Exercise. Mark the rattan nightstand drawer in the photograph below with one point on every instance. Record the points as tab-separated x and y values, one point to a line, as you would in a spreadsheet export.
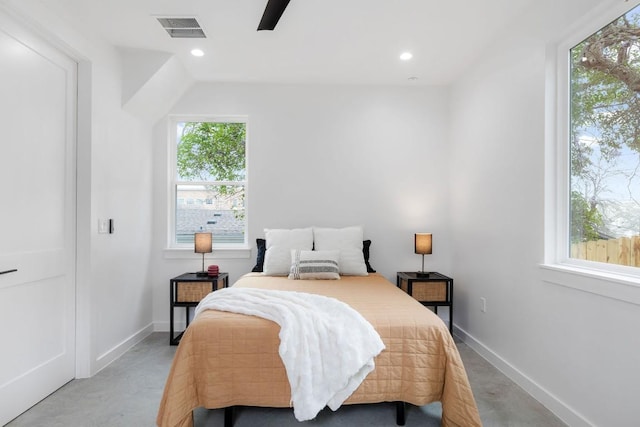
426	291
193	291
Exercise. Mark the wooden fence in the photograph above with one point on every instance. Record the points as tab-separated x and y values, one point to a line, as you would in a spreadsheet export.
623	251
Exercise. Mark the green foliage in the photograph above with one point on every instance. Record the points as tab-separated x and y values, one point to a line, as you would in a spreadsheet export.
605	88
605	116
212	152
585	219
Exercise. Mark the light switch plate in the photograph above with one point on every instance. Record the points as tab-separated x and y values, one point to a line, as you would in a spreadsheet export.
103	226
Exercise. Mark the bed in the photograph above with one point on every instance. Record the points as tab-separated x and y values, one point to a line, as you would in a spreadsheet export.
227	359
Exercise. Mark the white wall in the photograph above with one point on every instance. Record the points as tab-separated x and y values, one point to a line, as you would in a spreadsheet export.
380	157
577	352
121	178
327	156
114	307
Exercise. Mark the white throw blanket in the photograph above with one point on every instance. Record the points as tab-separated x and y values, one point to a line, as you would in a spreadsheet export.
327	347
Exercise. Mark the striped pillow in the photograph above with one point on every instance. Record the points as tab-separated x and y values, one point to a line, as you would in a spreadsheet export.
314	265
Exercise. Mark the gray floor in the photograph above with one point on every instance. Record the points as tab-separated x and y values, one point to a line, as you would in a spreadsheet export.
128	391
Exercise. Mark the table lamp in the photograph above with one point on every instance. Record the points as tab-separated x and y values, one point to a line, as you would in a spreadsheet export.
203	245
423	246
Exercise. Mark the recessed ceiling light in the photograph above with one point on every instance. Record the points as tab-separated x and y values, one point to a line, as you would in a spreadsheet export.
405	56
197	52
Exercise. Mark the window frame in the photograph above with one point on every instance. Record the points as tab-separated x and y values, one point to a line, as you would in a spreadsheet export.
610	280
221	250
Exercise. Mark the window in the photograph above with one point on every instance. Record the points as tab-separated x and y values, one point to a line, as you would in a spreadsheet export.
604	144
208	186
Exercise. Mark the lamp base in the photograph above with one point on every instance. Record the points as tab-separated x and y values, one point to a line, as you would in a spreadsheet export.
422	273
202	273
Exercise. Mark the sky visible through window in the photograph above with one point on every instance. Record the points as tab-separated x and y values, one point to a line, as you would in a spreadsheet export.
605	132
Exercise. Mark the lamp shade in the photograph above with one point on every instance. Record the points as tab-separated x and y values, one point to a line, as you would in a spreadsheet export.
423	243
203	243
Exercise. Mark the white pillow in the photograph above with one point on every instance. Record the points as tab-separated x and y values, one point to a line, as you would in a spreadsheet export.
279	243
348	241
314	265
277	261
296	238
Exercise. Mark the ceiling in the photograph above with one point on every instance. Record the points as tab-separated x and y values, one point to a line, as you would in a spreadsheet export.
316	41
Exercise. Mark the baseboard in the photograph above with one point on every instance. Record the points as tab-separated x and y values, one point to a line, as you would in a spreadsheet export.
106	358
546	398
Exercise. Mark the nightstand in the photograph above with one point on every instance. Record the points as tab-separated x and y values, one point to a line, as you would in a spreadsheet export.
187	290
433	290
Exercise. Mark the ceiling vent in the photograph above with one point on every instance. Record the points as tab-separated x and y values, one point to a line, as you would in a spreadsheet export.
182	28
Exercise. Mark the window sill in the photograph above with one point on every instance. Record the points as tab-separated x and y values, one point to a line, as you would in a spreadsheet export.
611	285
222	253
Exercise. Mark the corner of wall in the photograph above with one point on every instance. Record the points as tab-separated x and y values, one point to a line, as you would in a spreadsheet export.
542	395
150	94
139	66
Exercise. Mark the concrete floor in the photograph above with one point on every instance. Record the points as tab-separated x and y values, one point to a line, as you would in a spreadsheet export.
128	391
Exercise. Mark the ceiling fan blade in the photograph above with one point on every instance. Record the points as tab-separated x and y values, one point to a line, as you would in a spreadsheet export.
272	14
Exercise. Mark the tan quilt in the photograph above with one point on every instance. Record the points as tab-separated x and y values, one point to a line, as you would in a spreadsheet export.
226	359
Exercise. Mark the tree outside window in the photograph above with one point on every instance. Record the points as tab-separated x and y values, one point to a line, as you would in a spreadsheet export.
210	166
605	144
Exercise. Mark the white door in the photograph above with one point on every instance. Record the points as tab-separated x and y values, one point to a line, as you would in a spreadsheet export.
37	218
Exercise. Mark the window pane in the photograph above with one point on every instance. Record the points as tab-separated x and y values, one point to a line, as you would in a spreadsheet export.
210	181
218	209
605	144
209	151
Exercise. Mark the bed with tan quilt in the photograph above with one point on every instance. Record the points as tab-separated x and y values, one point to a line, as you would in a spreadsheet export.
226	359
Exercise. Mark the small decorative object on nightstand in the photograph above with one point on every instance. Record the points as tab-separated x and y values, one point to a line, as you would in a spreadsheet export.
203	244
213	270
187	290
434	290
423	245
